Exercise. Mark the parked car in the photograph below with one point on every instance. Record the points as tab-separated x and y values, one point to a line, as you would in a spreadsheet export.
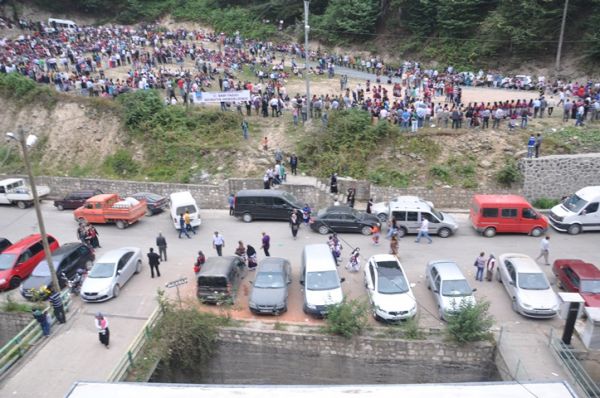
409	212
579	212
154	202
18	261
343	219
16	191
75	199
322	285
578	276
219	279
449	286
269	293
110	208
264	204
110	273
389	291
527	286
180	202
4	243
382	209
491	214
67	260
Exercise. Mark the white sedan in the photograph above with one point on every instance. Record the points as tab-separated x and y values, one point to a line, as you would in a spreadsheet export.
389	290
110	273
527	286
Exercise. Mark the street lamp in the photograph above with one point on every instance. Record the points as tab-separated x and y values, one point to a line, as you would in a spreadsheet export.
306	29
27	142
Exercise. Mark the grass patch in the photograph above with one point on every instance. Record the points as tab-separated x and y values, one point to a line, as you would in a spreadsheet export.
24	91
545	203
10	305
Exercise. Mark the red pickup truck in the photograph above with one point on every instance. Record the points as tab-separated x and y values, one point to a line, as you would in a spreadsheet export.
110	208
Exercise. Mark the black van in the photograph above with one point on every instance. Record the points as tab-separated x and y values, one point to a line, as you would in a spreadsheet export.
219	279
264	204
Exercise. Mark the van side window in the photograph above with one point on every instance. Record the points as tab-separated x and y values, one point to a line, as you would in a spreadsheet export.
412	216
2	190
36	248
591	208
26	255
51	240
529	213
429	217
509	213
489	212
399	215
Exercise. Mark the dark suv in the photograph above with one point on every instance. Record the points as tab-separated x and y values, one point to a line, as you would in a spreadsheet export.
4	243
67	259
75	199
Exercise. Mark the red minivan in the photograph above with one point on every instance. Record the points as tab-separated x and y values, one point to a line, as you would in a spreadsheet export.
18	261
491	214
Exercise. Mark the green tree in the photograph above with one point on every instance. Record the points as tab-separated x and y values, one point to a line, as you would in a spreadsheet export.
349	318
471	322
348	17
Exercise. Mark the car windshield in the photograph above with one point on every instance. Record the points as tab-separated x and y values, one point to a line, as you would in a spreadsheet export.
7	261
42	269
590	286
532	281
290	198
574	203
392	283
326	280
191	208
321	212
269	280
438	214
456	288
102	270
150	197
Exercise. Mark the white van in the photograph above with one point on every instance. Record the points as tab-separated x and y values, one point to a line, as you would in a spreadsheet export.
322	284
180	202
579	212
57	23
409	212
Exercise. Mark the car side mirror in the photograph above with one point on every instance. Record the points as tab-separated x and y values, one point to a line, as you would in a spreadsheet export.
342	280
370	286
119	272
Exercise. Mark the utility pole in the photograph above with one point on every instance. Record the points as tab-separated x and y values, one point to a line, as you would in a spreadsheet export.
560	38
306	29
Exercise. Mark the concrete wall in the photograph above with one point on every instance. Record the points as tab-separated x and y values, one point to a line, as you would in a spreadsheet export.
559	175
11	323
246	356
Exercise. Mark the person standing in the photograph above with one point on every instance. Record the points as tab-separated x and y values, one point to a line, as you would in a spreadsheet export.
544	250
161	243
153	261
92	236
240	251
538	144
423	231
42	319
294	223
333	183
218	243
489	267
182	229
251	253
531	146
375	234
480	264
103	331
188	222
369	206
245	129
200	260
58	307
394	245
306	211
231	202
266	243
294	163
351	196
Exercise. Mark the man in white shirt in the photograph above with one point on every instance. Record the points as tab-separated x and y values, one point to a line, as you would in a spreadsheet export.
424	231
218	243
544	249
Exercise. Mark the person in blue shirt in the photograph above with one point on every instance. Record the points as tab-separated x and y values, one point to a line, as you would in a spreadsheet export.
531	146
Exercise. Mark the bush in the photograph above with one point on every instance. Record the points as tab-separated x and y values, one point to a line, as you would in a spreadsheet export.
347	319
140	106
508	174
545	203
121	164
471	322
441	172
11	305
24	90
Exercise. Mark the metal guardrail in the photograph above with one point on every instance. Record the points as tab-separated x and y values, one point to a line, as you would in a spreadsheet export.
121	370
18	346
566	356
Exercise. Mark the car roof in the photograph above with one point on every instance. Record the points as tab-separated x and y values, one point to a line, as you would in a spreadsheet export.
10	181
115	255
339	209
85	192
27	241
259	192
272	264
583	269
589	193
522	262
500	200
412	202
183	195
65	249
217	266
320	257
447	269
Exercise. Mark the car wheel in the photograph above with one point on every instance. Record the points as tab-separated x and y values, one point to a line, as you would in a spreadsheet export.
15	282
574	229
116	291
366	230
138	267
323	230
21	204
489	232
60	207
382	217
536	232
444	232
247	217
401	232
88	265
120	224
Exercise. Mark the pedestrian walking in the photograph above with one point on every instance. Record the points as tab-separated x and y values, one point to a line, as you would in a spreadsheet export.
394	245
182	229
251	253
369	206
92	236
544	250
336	248
103	331
375	234
423	231
42	319
188	222
294	223
218	243
489	267
231	202
354	261
240	251
153	261
306	211
351	196
161	243
333	183
480	264
294	163
266	243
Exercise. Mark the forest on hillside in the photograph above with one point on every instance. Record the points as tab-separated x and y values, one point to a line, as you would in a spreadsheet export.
462	32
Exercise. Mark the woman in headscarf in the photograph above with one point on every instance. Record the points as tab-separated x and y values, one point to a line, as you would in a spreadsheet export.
103	332
490	264
251	253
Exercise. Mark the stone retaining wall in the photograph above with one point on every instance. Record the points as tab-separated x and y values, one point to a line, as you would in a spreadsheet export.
11	323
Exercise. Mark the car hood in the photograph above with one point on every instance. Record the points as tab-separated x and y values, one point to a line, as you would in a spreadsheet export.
454	303
448	219
540	299
261	296
96	285
324	297
591	299
395	302
380	207
560	211
36	282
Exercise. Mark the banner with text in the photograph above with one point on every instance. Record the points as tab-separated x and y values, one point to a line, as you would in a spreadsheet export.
222	96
